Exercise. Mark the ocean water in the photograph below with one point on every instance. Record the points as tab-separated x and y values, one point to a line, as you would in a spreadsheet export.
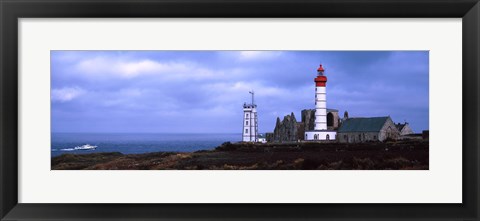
128	143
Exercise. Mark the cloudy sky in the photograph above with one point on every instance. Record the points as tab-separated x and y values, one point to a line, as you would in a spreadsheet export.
203	91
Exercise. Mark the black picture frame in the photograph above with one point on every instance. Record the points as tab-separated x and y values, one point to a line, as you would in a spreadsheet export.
12	10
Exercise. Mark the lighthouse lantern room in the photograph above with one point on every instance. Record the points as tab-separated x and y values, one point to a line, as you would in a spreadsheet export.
250	124
320	131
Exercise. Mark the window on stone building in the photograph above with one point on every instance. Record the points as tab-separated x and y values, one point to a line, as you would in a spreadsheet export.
306	136
247	122
328	137
330	120
246	131
247	115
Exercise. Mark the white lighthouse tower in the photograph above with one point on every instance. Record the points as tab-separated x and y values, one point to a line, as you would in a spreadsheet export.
320	100
250	125
320	131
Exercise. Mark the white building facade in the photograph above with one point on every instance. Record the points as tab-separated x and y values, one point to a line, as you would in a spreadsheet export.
250	122
320	135
320	131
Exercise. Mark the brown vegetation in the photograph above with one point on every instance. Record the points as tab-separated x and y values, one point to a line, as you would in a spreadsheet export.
400	155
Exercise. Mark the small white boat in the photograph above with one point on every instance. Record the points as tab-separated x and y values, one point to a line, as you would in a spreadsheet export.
85	147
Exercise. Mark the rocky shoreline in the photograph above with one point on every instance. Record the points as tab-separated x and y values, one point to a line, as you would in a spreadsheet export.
394	155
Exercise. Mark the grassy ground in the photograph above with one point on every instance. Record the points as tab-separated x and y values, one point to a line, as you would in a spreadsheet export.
401	155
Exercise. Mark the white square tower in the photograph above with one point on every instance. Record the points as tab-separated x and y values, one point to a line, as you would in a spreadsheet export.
250	124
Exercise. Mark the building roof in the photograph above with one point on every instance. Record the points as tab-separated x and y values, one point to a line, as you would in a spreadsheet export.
400	126
363	124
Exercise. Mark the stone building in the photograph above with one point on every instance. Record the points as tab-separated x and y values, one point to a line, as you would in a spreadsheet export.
262	138
270	137
333	121
349	130
308	118
404	128
425	134
362	129
287	129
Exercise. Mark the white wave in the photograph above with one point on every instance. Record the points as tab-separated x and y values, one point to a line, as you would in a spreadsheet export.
83	147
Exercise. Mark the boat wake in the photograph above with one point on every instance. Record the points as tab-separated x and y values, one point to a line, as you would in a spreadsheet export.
83	147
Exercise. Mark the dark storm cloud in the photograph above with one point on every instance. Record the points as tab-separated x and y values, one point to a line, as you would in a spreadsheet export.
182	91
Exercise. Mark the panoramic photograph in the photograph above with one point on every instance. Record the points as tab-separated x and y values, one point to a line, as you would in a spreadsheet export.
239	110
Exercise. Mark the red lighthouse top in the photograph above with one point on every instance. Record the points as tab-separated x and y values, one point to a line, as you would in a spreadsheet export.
320	80
320	69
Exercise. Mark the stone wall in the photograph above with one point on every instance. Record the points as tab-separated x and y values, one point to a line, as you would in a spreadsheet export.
334	121
357	137
287	129
300	130
308	119
425	134
270	137
389	131
406	130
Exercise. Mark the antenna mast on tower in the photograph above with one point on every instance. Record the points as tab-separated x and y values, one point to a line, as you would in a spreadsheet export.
253	95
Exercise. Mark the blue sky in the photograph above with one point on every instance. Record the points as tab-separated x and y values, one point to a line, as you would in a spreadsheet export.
203	91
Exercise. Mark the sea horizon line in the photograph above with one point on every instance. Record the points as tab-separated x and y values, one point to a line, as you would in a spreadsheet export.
198	133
